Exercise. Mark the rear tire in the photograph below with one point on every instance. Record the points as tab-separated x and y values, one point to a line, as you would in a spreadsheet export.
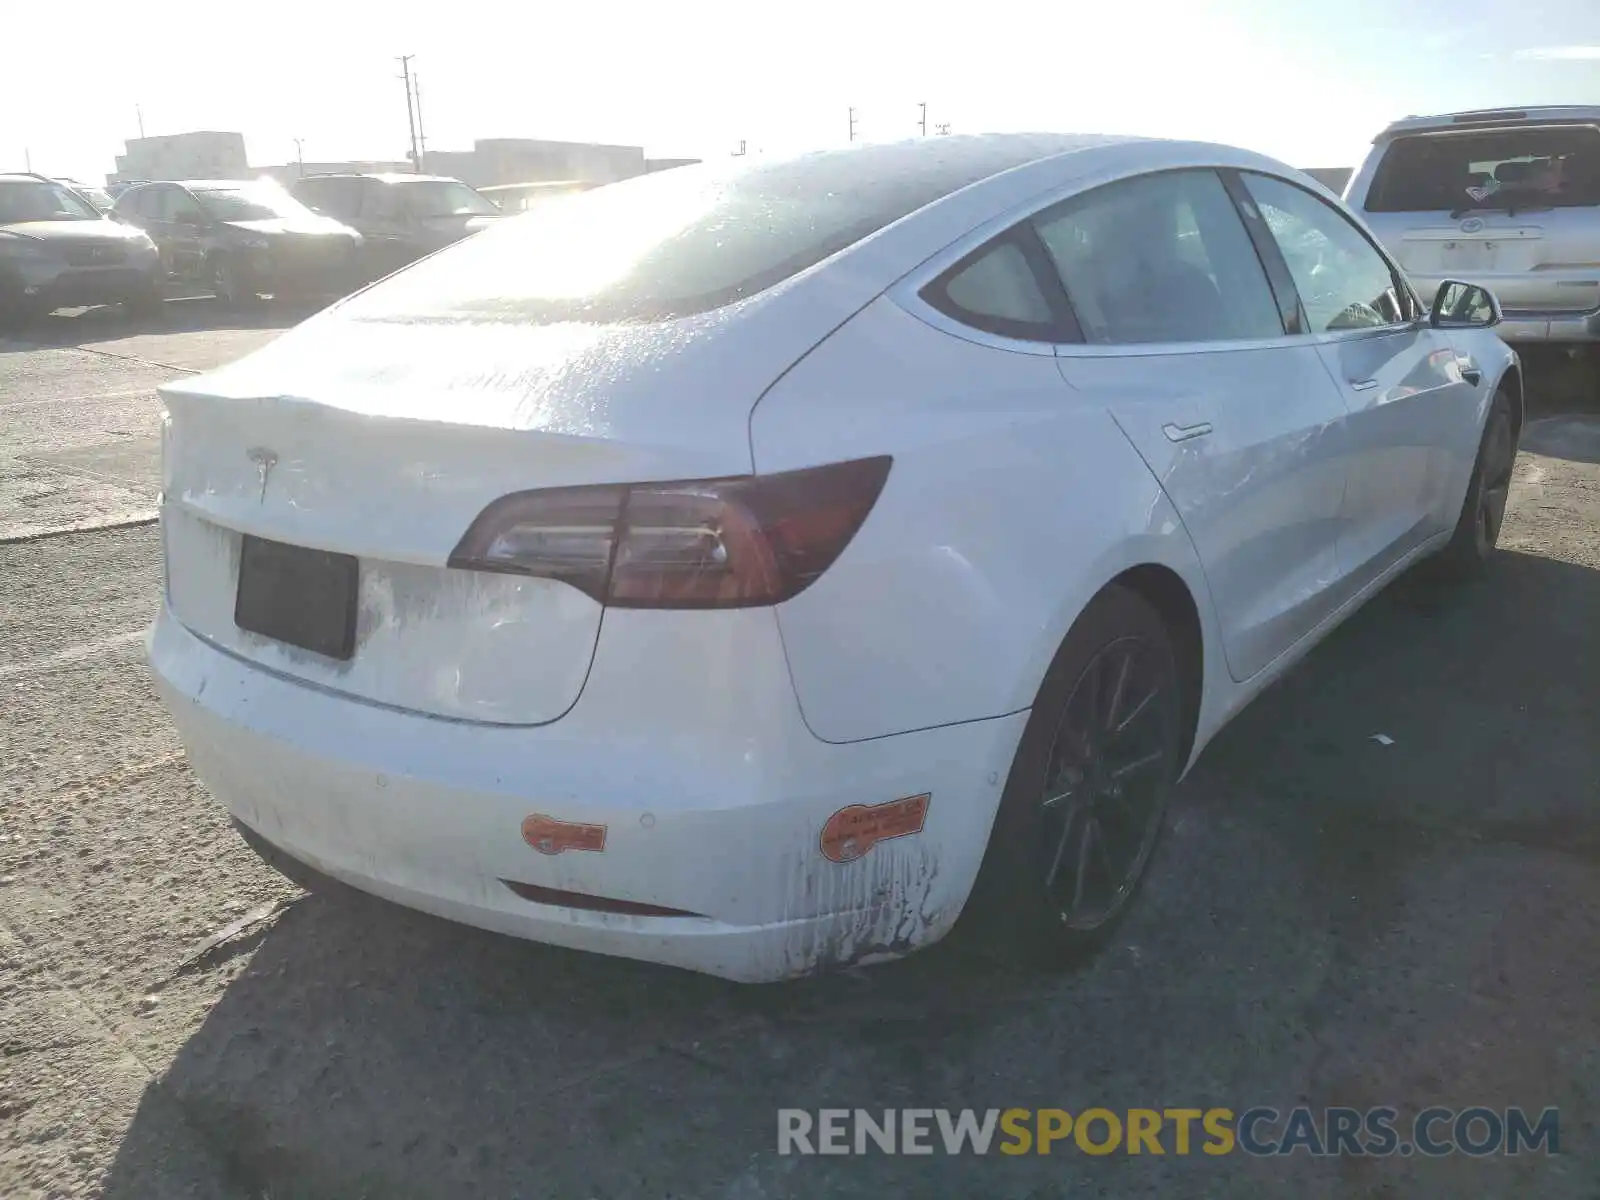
1085	803
1466	556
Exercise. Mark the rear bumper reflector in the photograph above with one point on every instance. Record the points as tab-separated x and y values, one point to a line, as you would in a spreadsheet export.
544	895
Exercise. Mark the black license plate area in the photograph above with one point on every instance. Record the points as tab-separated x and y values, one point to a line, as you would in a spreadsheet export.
306	598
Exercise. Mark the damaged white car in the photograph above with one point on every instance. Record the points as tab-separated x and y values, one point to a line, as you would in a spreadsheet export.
758	568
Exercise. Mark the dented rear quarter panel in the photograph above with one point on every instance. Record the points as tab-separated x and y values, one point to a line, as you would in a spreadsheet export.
1011	502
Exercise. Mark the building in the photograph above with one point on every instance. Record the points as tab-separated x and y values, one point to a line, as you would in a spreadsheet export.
490	161
525	160
289	172
199	155
1332	178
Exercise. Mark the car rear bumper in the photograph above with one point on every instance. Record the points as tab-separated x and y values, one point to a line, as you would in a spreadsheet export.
1550	327
1527	322
723	827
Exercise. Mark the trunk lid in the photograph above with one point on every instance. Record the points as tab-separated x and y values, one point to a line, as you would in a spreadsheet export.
1513	205
385	439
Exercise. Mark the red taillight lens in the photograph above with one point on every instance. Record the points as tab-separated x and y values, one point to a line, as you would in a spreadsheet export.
715	543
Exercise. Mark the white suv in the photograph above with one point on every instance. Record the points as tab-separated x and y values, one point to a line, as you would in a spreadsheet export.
1509	199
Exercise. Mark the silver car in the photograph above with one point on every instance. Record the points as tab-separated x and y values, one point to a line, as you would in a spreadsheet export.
1509	199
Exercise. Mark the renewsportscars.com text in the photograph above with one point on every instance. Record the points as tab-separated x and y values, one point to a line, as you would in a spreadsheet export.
1327	1132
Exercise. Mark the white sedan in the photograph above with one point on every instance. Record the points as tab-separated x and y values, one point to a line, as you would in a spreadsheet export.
757	568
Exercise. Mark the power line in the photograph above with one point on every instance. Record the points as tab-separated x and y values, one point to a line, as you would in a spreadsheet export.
422	135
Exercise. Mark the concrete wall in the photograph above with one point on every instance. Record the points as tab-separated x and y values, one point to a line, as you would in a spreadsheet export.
1332	178
198	155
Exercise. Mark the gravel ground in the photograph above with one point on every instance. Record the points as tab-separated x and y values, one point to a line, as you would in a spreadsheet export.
1333	921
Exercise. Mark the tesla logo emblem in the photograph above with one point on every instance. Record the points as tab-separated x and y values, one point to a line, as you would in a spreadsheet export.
264	460
1471	225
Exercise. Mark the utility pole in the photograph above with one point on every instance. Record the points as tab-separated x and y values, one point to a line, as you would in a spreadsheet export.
741	150
138	111
852	124
300	155
27	160
411	114
422	134
924	121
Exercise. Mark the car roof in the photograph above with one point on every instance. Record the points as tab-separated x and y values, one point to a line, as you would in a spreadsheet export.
1533	114
382	176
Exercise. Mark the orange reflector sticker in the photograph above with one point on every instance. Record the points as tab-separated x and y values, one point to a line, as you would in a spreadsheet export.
550	836
853	831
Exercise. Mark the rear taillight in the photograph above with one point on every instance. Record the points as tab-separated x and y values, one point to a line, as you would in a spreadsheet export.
712	543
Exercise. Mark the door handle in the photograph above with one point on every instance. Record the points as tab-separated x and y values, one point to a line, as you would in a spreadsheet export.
1182	433
1363	385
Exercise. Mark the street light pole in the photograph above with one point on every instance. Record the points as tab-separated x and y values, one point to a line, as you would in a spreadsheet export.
300	156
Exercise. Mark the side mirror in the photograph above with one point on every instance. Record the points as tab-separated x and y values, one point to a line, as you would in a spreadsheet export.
1457	304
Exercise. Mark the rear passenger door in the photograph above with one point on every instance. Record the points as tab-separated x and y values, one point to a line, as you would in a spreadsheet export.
1185	341
1398	377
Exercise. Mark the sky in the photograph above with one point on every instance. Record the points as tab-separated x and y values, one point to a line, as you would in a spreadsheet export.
1307	81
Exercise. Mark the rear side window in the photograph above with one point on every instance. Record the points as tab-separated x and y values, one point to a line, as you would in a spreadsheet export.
335	197
1548	167
1160	258
679	242
995	289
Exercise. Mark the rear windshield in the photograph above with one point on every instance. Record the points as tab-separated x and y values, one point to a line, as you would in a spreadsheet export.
676	242
249	203
35	200
1550	167
444	198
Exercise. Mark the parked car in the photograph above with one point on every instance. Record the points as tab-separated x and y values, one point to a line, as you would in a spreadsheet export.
243	239
1507	198
401	217
520	197
98	197
756	566
57	251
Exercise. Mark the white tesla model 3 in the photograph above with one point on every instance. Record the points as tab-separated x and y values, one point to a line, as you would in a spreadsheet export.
756	569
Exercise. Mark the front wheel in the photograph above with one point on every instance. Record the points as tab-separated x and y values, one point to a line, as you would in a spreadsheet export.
1086	800
227	284
1466	556
147	302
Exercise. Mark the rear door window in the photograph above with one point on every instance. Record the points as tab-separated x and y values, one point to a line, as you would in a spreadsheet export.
1538	167
1160	258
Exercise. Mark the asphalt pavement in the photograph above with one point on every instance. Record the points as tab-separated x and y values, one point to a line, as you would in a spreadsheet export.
1381	886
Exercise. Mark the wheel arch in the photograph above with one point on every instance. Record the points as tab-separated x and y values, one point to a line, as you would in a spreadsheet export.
1511	382
1166	591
